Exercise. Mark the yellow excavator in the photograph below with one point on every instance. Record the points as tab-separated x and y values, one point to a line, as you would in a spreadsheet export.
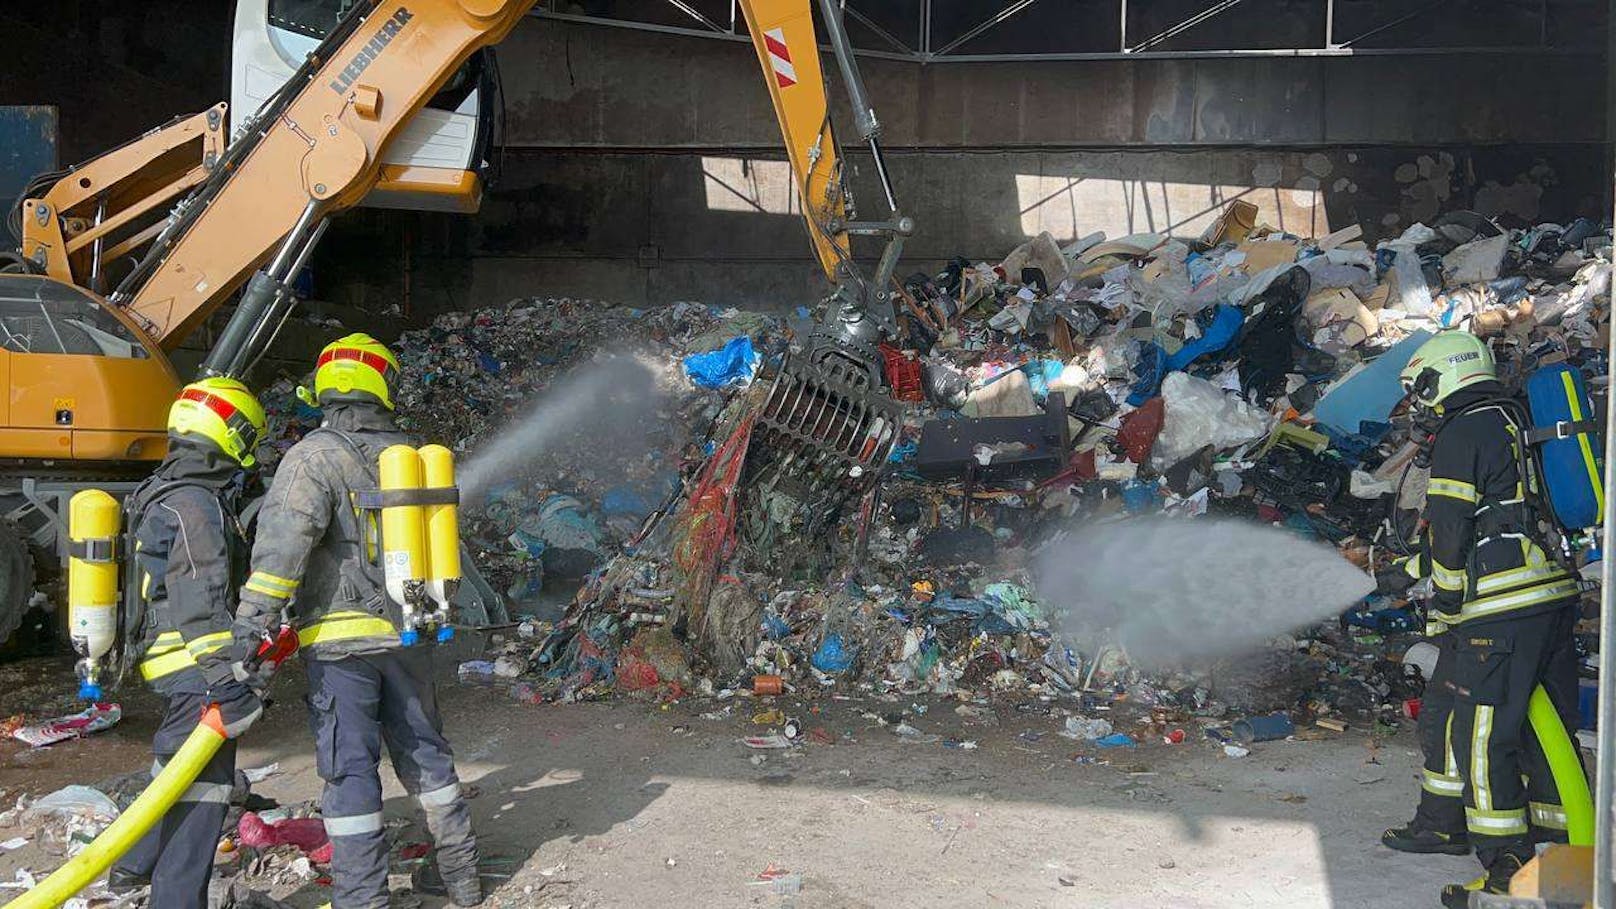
124	256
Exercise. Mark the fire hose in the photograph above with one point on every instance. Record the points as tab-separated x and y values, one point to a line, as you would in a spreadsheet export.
1564	766
165	789
160	795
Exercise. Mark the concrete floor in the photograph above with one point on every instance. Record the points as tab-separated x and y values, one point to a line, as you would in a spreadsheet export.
645	805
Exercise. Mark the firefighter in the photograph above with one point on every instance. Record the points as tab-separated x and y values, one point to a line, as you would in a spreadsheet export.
1507	599
312	563
190	556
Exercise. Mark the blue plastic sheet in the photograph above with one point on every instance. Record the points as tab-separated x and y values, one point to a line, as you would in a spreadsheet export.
624	500
832	656
1218	331
989	616
1370	395
732	365
1139	497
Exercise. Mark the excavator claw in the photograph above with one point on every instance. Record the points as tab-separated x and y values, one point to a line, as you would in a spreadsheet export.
828	419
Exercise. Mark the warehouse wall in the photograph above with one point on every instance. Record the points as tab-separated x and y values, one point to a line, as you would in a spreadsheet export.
644	167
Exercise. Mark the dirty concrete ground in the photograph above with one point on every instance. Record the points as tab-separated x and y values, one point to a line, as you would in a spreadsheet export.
632	804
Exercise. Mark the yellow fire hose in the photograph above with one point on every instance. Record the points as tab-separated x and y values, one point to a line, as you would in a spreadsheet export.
1565	767
165	789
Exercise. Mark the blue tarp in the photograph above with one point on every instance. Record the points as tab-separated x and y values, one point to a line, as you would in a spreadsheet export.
1217	333
1370	395
733	364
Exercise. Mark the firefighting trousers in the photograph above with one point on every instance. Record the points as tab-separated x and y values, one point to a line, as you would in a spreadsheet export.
1508	787
177	853
357	704
1441	787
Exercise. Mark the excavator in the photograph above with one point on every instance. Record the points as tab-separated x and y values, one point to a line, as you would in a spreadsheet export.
383	102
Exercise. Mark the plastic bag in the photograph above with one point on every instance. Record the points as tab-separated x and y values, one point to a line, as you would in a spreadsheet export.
1198	414
1415	295
832	656
732	365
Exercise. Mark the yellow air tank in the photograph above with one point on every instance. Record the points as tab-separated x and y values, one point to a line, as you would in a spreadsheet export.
404	554
93	520
442	534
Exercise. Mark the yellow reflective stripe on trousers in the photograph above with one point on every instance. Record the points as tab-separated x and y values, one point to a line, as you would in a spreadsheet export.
1481	733
1453	489
1449	760
208	643
1504	602
1546	815
1441	784
341	626
1515	577
1496	823
1445	577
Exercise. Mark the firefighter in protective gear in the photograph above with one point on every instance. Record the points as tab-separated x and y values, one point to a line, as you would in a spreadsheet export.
190	556
1508	602
314	563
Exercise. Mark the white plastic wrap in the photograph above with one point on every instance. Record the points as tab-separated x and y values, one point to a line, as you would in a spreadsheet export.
1198	414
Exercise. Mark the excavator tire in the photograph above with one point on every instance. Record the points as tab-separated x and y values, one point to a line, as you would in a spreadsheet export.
16	579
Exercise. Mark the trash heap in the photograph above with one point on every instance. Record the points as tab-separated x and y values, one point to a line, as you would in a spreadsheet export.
584	475
1247	372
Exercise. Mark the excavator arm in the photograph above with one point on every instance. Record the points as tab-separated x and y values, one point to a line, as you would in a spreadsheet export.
826	425
783	34
313	150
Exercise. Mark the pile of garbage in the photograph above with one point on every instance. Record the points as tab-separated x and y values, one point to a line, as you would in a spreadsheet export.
1248	373
579	410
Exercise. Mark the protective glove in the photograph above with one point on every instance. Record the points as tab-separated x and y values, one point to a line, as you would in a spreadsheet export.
1445	605
239	707
1392	579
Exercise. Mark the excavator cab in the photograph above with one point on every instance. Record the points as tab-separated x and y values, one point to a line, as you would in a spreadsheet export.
85	389
437	162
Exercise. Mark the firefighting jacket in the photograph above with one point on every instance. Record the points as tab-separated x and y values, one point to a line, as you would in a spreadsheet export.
1483	546
313	557
189	556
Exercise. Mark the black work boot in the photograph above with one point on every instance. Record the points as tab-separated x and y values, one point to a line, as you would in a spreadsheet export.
1495	880
462	889
1412	837
121	882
